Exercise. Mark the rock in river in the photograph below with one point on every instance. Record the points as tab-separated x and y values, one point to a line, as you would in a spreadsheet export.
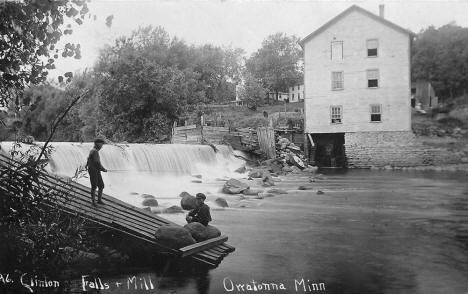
148	196
183	194
174	236
268	181
221	202
212	232
256	173
251	192
197	230
264	195
277	191
188	202
173	209
233	186
304	187
150	202
241	170
201	233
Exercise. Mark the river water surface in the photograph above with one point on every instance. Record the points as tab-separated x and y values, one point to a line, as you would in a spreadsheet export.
370	232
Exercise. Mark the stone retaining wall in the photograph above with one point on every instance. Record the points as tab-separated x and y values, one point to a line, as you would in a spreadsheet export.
396	149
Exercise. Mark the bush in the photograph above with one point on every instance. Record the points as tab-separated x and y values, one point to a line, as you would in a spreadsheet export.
32	227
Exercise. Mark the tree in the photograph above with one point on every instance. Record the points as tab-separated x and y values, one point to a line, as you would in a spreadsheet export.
30	30
149	80
252	92
143	90
42	104
138	87
441	57
278	63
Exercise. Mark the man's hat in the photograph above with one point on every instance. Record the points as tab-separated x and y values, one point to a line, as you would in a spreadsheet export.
200	196
99	140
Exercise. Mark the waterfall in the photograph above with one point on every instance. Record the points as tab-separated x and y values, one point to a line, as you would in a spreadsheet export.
162	170
173	159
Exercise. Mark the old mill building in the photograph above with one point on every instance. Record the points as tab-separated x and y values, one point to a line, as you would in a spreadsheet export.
357	89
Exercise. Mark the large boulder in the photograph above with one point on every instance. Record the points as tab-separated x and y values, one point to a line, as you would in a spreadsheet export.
268	181
174	236
183	194
295	160
197	230
188	202
264	195
201	233
251	192
276	167
212	232
241	169
151	202
221	202
147	196
233	186
256	173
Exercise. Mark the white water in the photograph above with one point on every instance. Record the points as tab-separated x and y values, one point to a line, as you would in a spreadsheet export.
161	170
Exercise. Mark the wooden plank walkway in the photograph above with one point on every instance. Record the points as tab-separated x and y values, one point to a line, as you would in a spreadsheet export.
122	217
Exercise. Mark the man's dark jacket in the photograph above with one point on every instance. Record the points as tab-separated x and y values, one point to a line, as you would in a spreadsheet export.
201	214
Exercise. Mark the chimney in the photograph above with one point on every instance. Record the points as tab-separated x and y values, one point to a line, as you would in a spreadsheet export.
382	10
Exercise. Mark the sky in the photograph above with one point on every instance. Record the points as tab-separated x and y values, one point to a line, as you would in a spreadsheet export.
239	23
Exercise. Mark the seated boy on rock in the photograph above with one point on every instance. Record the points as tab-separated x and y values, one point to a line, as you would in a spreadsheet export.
201	213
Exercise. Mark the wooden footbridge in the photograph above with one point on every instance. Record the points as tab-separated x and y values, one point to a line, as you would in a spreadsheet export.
119	216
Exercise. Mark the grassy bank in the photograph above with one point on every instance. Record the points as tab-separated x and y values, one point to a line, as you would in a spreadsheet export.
243	117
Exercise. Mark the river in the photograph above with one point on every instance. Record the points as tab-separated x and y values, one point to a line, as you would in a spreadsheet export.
370	232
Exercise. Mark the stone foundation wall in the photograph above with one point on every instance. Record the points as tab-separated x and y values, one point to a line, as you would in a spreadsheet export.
395	149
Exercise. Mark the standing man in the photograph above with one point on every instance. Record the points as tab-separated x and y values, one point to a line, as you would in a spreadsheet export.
201	213
94	170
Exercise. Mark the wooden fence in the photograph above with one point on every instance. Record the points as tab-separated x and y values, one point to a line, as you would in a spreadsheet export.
194	134
266	141
246	139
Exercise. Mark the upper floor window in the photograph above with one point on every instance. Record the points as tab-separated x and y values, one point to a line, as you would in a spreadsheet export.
337	50
372	48
337	80
336	114
292	96
298	87
372	78
299	96
375	112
